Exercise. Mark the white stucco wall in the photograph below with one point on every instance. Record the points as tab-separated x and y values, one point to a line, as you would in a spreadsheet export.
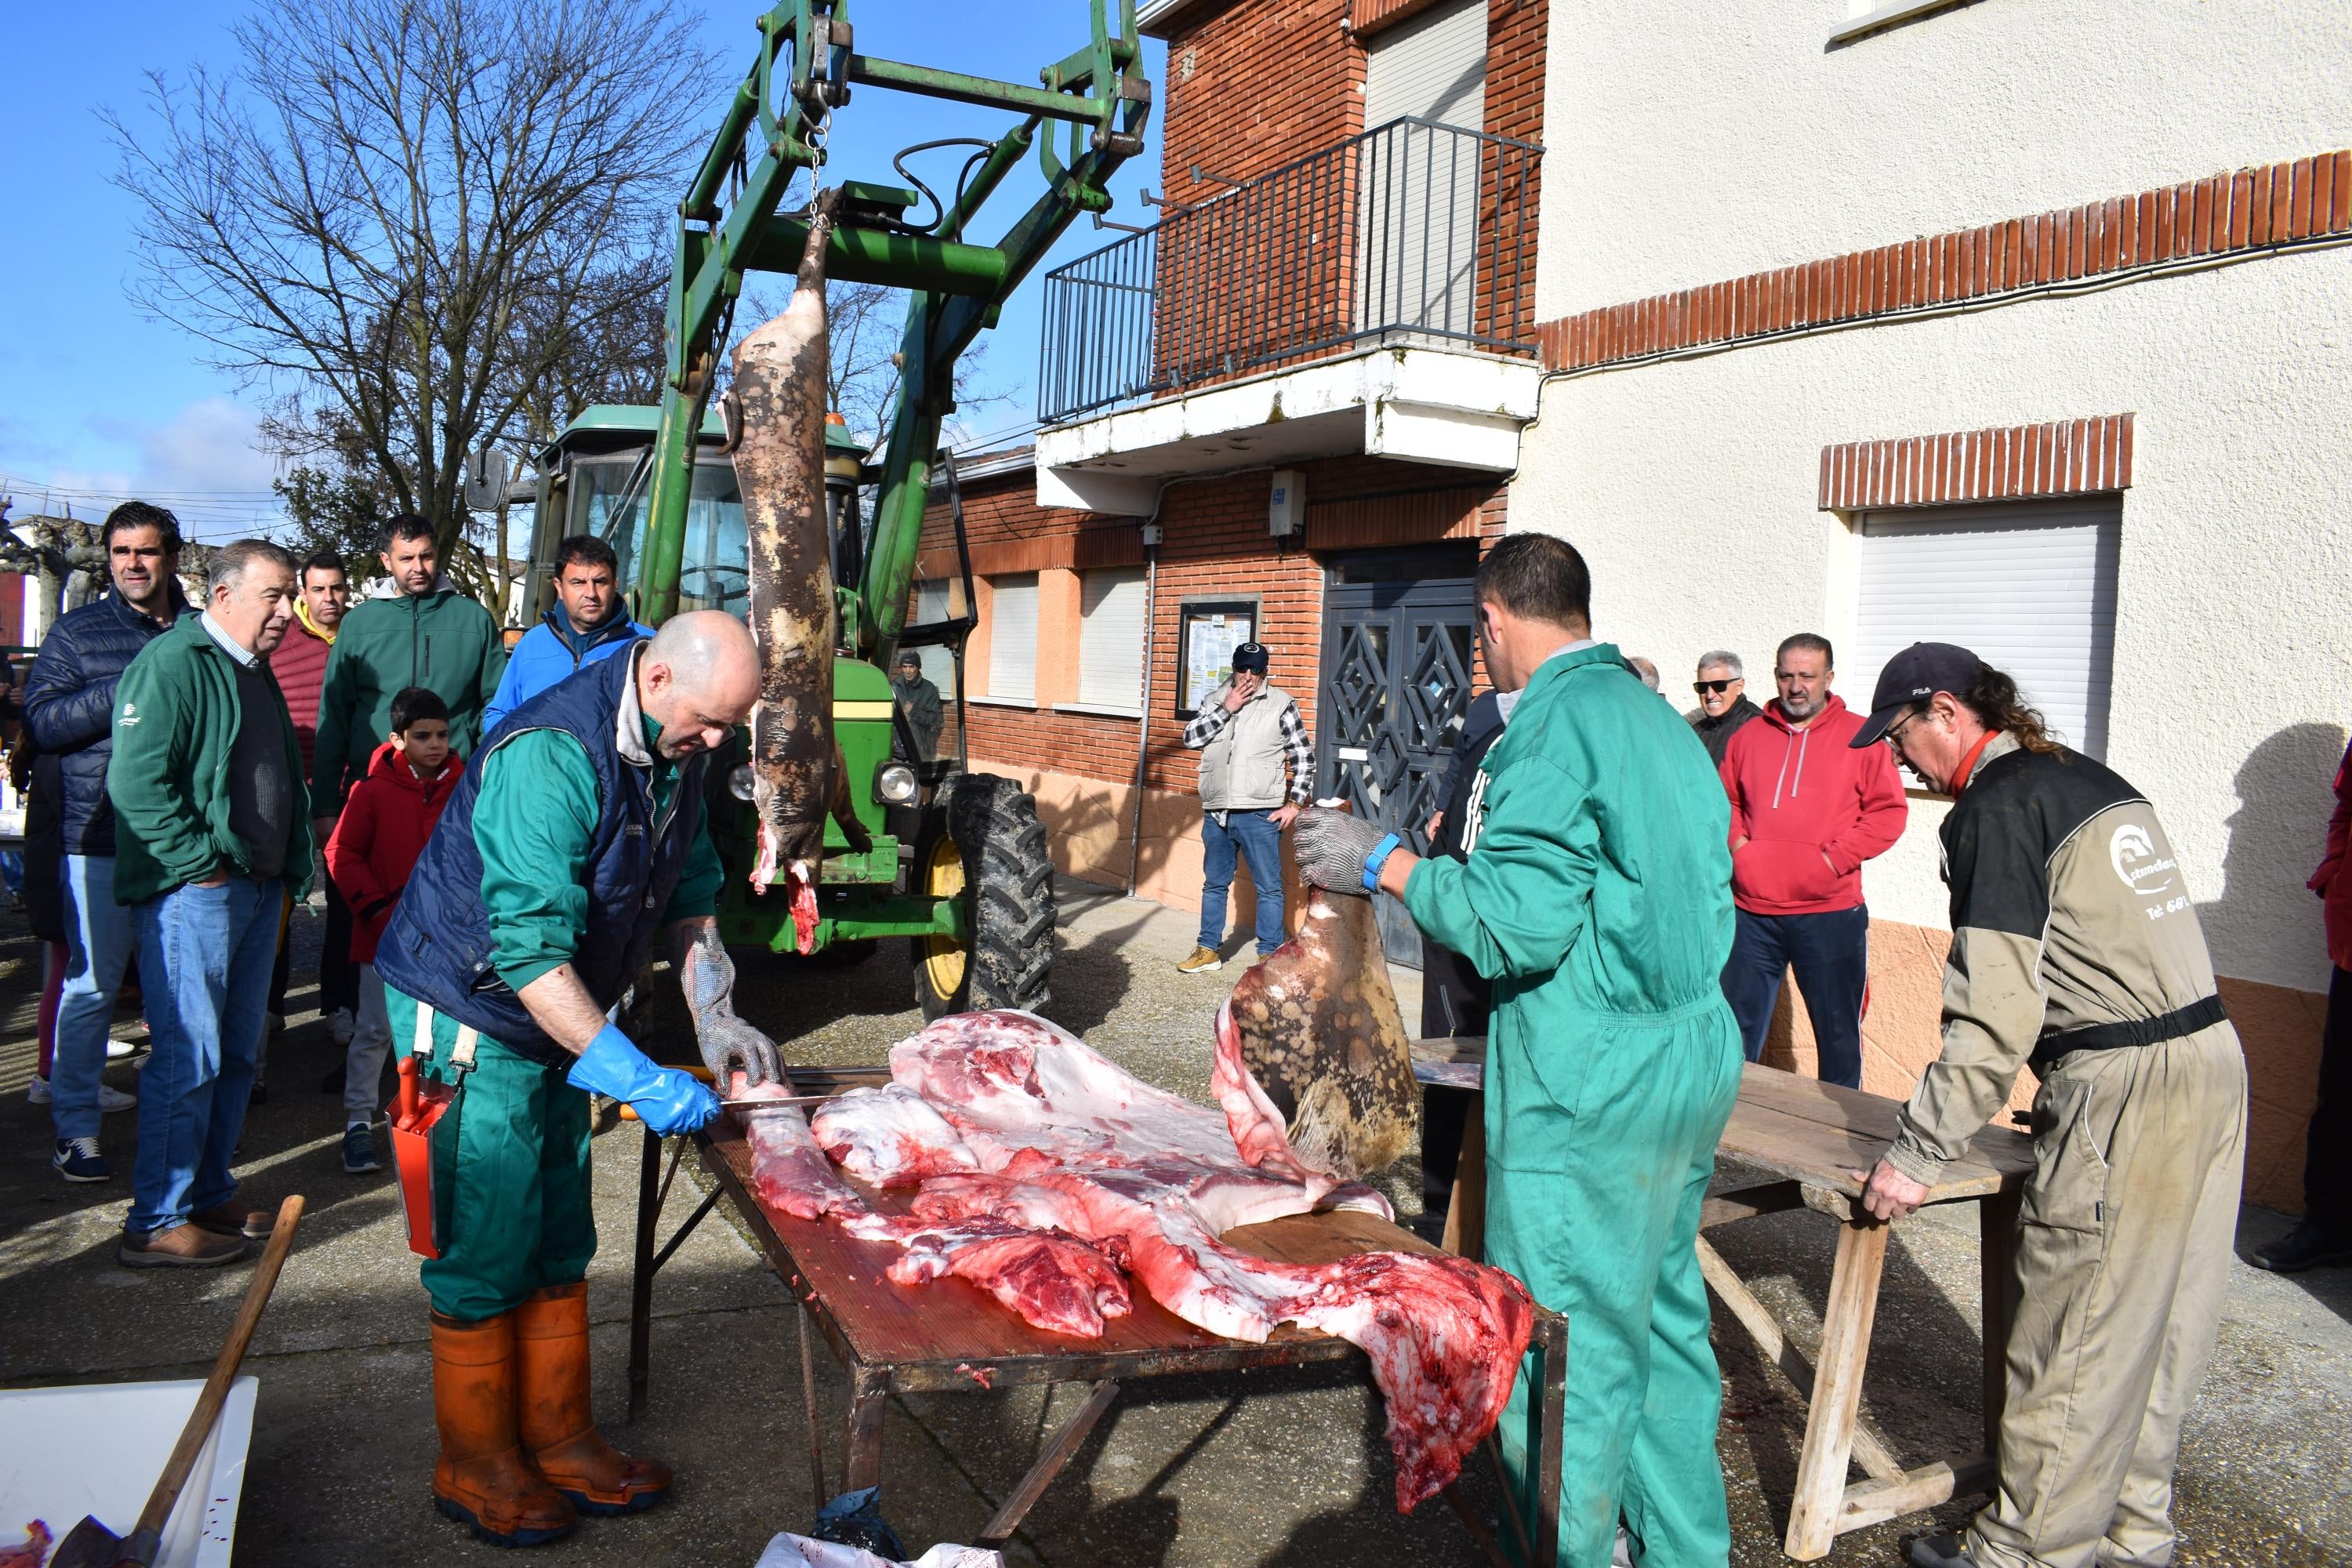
1691	487
1691	140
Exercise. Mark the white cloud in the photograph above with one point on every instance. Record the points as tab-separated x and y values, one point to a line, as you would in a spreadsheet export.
205	462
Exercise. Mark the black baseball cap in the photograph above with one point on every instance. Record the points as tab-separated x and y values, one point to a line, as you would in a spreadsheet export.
1250	656
907	656
1915	675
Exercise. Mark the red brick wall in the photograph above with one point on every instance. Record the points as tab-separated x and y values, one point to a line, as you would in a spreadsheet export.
1271	80
1214	546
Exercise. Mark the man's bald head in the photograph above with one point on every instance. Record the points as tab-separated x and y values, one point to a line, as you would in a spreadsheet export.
698	679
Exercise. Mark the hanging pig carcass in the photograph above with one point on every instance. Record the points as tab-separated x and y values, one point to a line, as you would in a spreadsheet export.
777	409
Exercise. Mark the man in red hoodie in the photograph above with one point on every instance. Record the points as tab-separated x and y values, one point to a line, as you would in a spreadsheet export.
385	821
1806	811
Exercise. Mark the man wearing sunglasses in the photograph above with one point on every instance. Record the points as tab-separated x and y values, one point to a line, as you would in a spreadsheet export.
1723	704
2075	953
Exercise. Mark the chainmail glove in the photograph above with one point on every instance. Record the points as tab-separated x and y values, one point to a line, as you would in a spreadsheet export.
1331	846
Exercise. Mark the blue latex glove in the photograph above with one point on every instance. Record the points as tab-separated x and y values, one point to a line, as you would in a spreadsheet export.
664	1099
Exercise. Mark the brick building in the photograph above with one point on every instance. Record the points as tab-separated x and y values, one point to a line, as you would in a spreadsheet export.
1289	324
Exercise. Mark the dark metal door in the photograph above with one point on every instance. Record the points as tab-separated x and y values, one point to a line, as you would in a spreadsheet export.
1397	641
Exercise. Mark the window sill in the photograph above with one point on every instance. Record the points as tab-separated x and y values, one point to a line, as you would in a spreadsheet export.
978	700
1886	15
1100	710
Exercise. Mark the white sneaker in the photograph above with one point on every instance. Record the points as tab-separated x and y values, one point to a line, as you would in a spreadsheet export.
112	1099
38	1092
117	1049
339	1026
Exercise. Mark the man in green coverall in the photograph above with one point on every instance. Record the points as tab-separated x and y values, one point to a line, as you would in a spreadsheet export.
1596	897
573	841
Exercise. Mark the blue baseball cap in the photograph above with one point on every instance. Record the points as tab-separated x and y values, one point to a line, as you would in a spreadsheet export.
1915	675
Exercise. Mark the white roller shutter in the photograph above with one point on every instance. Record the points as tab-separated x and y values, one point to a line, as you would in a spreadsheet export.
1012	638
2031	588
1110	638
1431	67
1418	188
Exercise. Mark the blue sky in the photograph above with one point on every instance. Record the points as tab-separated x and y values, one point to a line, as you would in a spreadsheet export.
96	402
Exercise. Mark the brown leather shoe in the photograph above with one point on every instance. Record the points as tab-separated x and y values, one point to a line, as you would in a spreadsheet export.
483	1480
233	1219
181	1246
555	1421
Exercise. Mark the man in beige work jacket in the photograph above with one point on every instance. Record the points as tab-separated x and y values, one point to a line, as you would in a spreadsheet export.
2075	951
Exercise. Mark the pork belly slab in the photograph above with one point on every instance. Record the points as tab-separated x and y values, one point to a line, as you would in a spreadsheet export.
1051	1177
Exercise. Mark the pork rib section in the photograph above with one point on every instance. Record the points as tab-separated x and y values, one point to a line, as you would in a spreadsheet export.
1048	1176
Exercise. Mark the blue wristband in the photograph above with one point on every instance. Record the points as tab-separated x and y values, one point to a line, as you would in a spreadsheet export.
1376	859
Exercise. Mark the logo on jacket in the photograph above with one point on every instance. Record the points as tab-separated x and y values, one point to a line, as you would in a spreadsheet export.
130	714
2131	851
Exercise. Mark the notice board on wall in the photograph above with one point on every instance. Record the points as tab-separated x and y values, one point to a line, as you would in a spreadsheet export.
1208	630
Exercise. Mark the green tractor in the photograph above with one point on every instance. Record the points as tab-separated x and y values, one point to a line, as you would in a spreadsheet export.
958	863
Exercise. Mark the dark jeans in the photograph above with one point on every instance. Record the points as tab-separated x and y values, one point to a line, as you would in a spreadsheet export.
1453	1001
338	977
1246	834
1831	954
2328	1161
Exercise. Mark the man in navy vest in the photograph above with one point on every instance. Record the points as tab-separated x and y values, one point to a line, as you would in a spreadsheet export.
574	836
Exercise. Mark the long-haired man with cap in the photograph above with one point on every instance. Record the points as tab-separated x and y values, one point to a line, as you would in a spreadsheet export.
2075	952
1249	734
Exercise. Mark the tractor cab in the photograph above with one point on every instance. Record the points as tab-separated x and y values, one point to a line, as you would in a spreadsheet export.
596	476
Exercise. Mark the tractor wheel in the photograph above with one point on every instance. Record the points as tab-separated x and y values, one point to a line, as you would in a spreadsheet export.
988	849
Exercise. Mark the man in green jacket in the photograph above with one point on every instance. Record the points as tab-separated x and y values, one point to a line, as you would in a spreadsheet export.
211	834
427	635
1597	898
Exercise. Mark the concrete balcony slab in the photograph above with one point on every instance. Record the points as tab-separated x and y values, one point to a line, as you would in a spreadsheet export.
1419	404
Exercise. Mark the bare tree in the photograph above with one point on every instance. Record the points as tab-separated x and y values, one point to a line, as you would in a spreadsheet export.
403	211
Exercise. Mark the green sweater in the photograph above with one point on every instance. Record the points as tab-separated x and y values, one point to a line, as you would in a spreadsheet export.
176	714
533	818
440	640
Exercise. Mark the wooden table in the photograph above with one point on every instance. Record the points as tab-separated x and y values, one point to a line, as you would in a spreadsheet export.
949	1336
1807	1138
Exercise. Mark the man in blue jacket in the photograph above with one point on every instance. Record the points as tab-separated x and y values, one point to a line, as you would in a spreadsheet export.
586	622
70	706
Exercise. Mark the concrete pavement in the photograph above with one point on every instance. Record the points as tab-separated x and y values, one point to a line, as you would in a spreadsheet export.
1280	1468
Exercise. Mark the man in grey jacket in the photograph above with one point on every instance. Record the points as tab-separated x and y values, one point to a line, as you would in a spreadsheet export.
1248	734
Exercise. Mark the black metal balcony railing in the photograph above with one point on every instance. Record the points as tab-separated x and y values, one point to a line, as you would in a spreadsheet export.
1416	231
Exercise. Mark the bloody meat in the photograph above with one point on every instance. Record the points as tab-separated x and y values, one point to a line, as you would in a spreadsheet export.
1067	1176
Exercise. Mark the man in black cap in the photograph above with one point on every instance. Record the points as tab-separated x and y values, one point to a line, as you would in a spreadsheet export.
1247	733
919	706
2075	951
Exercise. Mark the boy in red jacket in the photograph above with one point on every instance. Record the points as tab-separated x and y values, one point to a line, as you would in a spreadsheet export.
382	829
1806	811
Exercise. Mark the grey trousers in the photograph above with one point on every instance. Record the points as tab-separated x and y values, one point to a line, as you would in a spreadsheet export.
2123	1254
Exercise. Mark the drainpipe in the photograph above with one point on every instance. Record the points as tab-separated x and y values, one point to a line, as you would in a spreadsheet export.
1143	726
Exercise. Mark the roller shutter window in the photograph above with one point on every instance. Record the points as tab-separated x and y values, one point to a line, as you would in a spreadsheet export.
1111	639
2031	588
933	604
1418	188
1012	638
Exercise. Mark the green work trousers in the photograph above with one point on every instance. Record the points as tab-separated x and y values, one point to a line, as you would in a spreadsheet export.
511	1190
2123	1256
1607	1233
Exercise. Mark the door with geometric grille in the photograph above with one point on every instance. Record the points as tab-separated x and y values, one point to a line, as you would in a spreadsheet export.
1398	632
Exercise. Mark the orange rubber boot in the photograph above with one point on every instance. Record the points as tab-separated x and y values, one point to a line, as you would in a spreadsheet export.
556	1423
483	1479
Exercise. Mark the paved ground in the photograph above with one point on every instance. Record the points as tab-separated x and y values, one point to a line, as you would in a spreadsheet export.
1285	1468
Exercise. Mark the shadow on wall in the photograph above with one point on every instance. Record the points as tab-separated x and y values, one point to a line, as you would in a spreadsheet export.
2265	912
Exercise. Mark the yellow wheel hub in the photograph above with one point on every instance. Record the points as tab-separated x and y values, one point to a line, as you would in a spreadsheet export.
944	958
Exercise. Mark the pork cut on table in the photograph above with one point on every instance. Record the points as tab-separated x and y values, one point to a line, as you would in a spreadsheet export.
1049	1176
1316	1024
